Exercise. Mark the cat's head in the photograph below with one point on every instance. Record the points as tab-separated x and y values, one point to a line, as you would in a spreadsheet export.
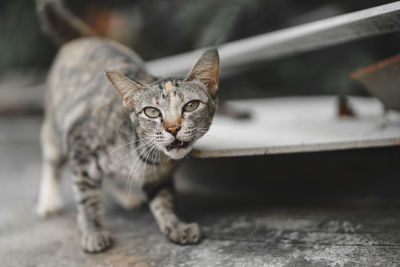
172	114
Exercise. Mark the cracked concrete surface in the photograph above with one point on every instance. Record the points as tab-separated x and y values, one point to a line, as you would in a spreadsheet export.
323	209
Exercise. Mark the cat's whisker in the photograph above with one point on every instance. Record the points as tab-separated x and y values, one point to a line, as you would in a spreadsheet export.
159	159
134	168
115	150
218	129
154	161
146	157
130	152
119	148
144	162
138	162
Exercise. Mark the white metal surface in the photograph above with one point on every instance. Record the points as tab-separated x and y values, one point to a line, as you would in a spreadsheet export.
310	36
299	124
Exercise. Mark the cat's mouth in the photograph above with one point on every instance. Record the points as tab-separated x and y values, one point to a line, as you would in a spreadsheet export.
177	144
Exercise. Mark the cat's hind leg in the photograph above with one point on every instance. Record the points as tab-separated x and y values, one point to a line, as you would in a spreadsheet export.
49	200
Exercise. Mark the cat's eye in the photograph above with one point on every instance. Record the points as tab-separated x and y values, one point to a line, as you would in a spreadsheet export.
192	105
152	112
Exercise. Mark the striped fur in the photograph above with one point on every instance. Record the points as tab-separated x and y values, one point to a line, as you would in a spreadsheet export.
101	129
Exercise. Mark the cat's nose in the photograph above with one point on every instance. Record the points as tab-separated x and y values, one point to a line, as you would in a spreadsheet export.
173	129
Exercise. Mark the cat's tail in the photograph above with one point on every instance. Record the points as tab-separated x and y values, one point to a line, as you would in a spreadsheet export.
59	23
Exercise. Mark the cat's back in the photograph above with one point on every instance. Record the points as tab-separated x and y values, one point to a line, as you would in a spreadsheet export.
89	57
96	51
77	84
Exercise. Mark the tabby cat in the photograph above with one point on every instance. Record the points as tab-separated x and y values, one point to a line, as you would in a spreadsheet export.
121	127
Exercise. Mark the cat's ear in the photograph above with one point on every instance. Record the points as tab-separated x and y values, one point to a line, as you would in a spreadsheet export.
206	70
124	86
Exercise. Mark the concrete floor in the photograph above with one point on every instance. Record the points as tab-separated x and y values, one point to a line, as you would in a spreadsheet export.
348	217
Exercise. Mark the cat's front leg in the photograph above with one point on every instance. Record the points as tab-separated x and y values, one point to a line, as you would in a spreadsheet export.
90	212
170	225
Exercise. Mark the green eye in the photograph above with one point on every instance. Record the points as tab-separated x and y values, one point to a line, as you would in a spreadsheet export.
192	105
152	112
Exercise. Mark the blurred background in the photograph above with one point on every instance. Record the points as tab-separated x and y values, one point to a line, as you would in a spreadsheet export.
159	28
340	201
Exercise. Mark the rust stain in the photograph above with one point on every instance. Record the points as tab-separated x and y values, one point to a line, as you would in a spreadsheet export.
378	65
100	19
344	108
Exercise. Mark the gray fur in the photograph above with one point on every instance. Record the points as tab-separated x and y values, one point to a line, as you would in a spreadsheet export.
104	133
87	124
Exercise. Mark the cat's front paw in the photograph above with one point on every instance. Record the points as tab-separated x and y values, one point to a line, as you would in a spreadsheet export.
183	233
96	241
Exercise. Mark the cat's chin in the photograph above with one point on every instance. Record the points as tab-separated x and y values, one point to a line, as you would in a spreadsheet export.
177	153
